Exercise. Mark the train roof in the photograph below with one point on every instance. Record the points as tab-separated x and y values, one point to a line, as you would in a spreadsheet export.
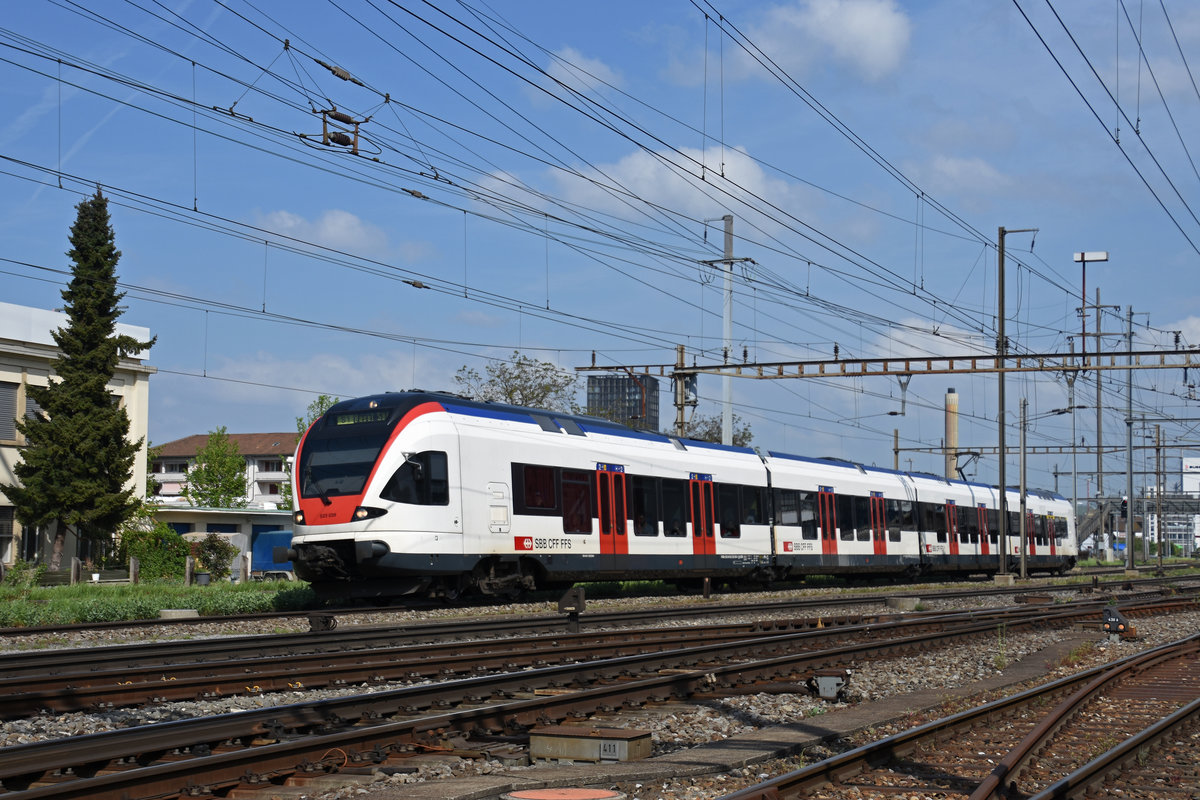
400	403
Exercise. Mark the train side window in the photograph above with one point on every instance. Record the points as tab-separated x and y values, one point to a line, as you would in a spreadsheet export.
844	507
787	507
862	518
643	505
754	505
808	515
899	517
729	510
535	489
674	507
933	520
421	480
577	501
993	524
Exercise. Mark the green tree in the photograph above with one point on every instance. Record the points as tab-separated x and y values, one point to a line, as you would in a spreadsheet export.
77	465
708	429
521	381
315	409
218	478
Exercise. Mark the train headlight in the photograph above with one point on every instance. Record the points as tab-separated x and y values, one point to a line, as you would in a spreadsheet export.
298	517
367	512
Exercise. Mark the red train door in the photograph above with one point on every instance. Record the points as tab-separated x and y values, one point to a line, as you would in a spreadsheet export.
1030	536
1051	523
983	530
610	495
827	519
701	494
878	524
952	526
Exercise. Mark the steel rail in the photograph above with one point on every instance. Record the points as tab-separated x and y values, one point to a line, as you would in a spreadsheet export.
552	621
134	753
832	770
1088	777
994	786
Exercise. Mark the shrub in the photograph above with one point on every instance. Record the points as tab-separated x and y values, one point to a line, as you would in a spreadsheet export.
215	554
23	576
161	552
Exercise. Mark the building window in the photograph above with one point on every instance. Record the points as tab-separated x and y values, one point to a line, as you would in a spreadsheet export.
6	534
271	466
8	411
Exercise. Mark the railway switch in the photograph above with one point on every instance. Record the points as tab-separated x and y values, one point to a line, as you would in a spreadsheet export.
829	684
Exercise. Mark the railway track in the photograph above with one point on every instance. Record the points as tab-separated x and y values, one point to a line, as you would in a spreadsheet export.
1058	740
271	746
328	617
104	678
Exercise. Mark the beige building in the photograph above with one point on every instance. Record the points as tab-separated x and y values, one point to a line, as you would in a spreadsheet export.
27	351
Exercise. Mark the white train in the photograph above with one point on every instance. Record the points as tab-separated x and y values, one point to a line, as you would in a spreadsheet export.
426	494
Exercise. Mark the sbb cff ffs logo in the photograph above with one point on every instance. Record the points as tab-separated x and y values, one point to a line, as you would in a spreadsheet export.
523	542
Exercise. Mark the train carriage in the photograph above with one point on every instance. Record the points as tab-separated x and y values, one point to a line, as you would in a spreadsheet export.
432	494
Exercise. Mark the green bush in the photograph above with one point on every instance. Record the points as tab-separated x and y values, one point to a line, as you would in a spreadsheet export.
160	551
23	576
215	554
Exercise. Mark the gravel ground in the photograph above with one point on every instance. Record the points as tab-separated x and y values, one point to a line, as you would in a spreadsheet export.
679	727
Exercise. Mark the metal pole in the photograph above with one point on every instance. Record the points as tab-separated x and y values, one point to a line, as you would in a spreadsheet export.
1129	441
1074	450
726	380
1024	524
1001	353
1002	358
680	394
1158	489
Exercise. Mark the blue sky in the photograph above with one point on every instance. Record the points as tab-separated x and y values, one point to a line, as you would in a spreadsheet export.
553	174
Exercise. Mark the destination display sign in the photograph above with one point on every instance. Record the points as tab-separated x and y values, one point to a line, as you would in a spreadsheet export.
359	417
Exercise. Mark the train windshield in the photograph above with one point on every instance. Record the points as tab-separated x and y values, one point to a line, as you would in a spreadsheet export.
338	464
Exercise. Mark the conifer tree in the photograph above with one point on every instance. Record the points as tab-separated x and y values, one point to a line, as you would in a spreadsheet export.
78	460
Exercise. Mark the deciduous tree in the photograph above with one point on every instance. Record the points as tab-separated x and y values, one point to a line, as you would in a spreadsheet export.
218	478
521	381
76	467
708	429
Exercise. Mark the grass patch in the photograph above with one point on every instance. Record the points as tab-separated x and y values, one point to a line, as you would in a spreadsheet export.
86	602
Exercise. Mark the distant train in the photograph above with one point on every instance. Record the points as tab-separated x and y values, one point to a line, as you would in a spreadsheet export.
432	495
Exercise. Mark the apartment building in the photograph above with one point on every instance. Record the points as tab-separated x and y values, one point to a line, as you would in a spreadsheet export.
27	354
266	456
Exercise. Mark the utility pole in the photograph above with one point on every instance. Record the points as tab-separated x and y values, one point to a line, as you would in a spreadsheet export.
680	392
727	325
1024	524
726	380
1129	443
1158	481
1002	357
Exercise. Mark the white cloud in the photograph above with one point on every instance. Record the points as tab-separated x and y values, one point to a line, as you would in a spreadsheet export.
651	179
334	228
964	178
581	73
870	37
